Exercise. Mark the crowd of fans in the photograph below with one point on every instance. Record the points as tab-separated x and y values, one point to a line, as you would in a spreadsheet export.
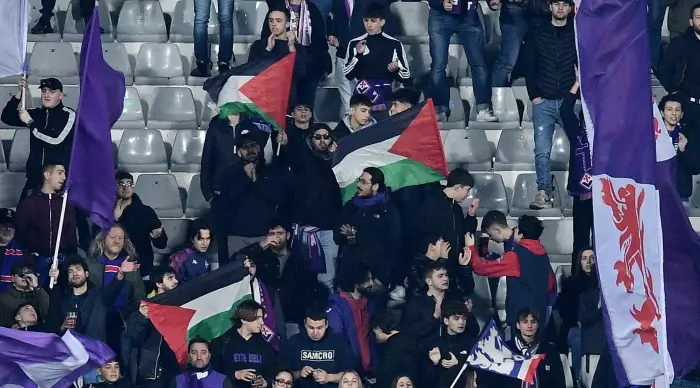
374	292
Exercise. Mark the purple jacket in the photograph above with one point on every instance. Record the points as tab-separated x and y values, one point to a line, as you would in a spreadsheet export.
341	321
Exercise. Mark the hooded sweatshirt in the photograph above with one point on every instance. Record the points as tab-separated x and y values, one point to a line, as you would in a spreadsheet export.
37	222
231	353
344	129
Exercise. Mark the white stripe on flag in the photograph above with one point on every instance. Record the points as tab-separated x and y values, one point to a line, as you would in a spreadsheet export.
50	373
219	301
231	90
374	155
13	29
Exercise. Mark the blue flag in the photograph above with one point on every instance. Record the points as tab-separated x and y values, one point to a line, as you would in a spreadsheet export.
30	359
91	185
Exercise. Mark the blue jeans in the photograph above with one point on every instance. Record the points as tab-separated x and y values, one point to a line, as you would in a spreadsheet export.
514	27
574	341
201	36
330	252
685	384
544	116
441	27
655	17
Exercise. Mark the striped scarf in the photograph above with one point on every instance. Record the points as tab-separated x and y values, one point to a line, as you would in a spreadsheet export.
528	350
301	25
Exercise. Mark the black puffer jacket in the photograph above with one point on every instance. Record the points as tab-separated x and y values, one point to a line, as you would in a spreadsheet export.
150	357
550	56
52	134
461	279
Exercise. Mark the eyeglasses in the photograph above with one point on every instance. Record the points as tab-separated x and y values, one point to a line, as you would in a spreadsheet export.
324	137
284	382
125	184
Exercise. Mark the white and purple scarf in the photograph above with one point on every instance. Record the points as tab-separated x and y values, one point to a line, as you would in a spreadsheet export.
301	25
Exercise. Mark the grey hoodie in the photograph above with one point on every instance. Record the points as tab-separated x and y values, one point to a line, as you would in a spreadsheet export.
343	128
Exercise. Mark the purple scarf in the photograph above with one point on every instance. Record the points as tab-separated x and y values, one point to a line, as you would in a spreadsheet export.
317	258
269	330
192	380
366	203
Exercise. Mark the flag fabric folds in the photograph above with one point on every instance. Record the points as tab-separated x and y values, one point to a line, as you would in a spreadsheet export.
642	234
90	183
14	17
204	307
407	147
260	88
43	360
492	354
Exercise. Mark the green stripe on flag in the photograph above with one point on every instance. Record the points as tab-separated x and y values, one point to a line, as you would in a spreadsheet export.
217	324
247	109
406	172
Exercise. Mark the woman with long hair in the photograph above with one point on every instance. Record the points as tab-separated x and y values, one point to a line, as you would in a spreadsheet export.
402	381
350	379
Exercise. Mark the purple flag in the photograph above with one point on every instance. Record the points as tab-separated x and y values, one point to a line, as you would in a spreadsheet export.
31	359
642	235
91	184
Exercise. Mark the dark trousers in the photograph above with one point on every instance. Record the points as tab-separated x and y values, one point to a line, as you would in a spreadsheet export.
219	221
583	226
47	6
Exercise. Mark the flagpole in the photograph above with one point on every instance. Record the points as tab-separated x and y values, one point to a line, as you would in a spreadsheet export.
54	263
461	371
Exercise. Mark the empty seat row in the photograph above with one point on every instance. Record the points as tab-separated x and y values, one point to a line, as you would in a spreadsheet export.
144	21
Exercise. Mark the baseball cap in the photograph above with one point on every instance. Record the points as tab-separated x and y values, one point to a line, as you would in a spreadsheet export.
244	137
51	84
7	216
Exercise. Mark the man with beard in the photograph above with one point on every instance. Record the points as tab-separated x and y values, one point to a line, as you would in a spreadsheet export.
38	218
550	57
251	192
139	222
350	313
370	227
152	363
679	70
80	305
315	201
199	372
10	250
25	288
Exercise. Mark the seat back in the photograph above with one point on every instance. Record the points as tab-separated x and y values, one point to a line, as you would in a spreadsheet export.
19	152
187	150
142	151
159	60
160	192
141	21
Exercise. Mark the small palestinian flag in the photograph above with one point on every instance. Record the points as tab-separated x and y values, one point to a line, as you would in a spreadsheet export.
202	307
407	147
260	89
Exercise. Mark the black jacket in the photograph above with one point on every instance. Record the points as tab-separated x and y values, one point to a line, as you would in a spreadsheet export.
52	134
419	321
550	56
346	27
230	353
121	383
150	356
91	308
672	71
249	206
317	51
398	356
688	163
440	215
593	337
549	374
455	344
568	300
315	194
460	278
138	221
378	239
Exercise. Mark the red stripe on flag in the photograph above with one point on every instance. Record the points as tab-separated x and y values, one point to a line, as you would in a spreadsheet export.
172	322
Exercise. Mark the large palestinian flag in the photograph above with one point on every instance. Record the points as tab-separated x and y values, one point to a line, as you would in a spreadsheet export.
202	307
407	148
259	88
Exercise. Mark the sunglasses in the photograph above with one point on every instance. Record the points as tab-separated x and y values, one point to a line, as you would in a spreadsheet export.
322	137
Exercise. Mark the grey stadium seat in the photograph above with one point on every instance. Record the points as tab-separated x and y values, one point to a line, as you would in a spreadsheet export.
182	26
567	201
6	93
74	26
159	64
11	184
172	108
187	151
196	205
161	192
71	97
558	238
116	56
208	112
694	209
469	147
176	229
504	107
411	20
3	162
132	114
560	151
19	152
327	105
142	151
491	191
523	194
659	92
53	59
456	119
515	151
141	21
562	272
34	15
248	20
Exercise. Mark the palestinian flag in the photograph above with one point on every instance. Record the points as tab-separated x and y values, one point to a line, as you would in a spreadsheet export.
259	88
407	148
202	307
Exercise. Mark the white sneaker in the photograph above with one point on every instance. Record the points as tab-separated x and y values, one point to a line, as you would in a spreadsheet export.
486	115
542	201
